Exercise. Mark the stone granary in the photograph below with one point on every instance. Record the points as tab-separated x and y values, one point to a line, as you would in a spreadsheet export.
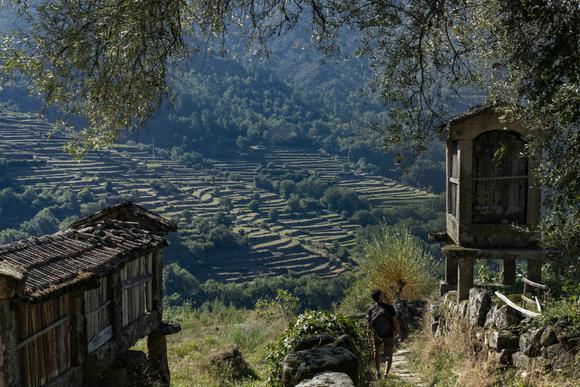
490	192
73	303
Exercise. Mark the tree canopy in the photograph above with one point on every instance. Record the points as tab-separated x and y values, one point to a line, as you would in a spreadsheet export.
104	65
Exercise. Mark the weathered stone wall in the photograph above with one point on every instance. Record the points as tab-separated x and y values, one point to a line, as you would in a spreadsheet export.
503	334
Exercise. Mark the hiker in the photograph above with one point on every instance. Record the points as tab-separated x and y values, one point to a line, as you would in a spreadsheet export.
384	322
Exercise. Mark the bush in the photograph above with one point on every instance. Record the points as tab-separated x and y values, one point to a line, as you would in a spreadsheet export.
312	187
309	204
286	188
273	215
284	305
85	195
342	199
44	222
178	281
363	217
262	181
395	261
311	323
564	312
293	204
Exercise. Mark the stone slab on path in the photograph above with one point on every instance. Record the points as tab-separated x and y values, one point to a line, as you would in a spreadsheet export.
401	368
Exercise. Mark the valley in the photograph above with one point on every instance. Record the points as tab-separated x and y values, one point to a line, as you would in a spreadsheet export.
289	242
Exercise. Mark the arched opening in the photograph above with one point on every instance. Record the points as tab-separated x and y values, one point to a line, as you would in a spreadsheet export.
500	178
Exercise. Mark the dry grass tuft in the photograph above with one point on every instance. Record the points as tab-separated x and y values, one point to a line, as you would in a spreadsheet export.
397	263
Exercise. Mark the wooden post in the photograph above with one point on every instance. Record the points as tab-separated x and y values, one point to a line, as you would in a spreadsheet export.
508	274
534	270
465	278
9	359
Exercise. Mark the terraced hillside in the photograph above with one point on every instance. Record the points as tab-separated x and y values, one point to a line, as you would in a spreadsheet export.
297	243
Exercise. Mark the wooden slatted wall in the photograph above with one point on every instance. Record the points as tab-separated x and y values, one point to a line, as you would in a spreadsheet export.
44	340
500	178
97	315
137	280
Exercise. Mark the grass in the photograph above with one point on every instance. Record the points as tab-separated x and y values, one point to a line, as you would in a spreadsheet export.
213	328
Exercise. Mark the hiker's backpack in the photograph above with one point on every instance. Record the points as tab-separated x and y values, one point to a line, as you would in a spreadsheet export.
381	321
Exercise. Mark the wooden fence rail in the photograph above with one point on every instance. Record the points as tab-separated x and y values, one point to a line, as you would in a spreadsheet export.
528	301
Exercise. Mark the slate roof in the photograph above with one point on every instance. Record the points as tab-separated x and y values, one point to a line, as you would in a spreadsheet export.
443	129
129	211
66	259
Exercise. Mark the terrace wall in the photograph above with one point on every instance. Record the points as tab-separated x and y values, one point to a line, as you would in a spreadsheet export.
501	334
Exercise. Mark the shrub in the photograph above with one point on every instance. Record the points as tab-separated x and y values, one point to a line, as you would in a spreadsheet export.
565	312
273	215
262	181
293	204
85	195
395	261
342	199
286	188
309	204
177	280
284	305
228	366
44	222
363	217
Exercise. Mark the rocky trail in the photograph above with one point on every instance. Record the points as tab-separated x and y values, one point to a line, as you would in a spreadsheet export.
401	369
401	374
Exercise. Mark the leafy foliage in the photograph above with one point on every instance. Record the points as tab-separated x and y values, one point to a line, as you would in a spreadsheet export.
106	64
310	323
564	312
285	305
181	287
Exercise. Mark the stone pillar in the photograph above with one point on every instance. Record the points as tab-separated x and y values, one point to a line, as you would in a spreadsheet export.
508	274
450	282
451	272
157	348
465	278
534	270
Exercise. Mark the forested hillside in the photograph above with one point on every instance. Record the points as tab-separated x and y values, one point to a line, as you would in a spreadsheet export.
271	166
230	99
